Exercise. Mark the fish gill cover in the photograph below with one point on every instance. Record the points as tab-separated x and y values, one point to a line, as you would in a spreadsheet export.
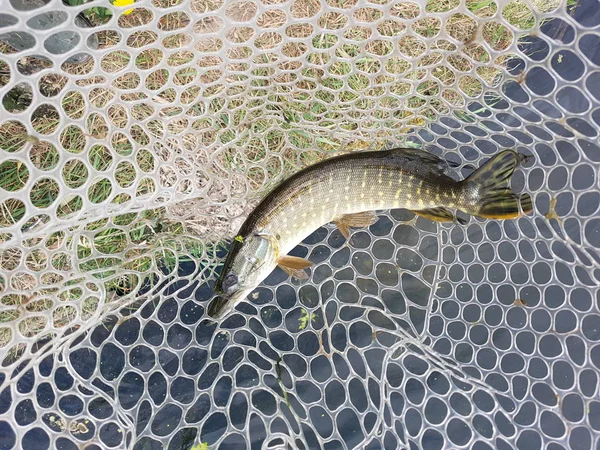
136	136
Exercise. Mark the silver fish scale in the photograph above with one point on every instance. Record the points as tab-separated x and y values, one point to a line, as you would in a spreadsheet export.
135	139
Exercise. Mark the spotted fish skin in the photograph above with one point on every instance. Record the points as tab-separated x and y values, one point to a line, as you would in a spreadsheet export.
347	185
357	182
354	183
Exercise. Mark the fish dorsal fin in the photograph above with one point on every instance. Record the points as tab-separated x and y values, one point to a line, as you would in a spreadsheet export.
359	220
425	161
294	266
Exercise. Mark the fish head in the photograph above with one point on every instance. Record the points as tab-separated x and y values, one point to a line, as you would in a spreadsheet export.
249	261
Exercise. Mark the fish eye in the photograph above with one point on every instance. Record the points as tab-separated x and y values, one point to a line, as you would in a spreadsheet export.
230	280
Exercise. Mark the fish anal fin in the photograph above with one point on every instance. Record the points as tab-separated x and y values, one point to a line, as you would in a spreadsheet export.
294	266
358	220
439	214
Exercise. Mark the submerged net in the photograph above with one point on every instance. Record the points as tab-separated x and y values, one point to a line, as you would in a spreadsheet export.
134	139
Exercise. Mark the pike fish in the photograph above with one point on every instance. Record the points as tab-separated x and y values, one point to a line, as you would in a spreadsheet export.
346	190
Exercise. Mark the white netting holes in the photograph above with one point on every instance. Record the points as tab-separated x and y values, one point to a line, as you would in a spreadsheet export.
135	138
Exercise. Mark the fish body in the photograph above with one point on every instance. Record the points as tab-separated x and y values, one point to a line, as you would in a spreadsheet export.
344	185
342	190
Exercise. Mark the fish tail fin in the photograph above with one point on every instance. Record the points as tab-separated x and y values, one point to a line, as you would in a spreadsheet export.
505	206
494	199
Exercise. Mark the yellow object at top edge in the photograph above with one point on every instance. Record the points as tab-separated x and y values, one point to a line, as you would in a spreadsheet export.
124	3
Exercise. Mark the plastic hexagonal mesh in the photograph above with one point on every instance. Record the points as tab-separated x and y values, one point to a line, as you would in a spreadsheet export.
134	138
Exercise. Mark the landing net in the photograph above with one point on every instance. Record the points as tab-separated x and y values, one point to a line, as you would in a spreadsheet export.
135	138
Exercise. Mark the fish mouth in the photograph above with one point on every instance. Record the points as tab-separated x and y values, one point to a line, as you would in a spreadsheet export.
219	306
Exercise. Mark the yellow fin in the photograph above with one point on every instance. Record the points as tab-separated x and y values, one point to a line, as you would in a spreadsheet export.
491	181
439	214
505	206
359	220
344	228
294	266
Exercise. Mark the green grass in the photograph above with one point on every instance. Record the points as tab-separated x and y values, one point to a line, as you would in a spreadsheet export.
100	157
321	114
13	136
200	446
43	155
305	318
518	14
122	260
44	193
73	105
14	175
482	8
73	139
18	99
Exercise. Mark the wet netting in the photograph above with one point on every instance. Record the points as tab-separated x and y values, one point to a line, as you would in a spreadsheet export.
135	138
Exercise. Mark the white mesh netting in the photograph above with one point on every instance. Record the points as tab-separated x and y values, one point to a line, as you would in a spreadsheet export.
134	138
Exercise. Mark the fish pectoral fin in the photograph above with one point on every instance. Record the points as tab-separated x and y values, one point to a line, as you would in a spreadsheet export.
358	220
440	214
343	228
294	262
294	266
